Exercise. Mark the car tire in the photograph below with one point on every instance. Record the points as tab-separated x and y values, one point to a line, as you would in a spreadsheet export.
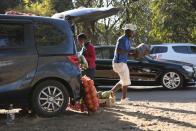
50	98
172	80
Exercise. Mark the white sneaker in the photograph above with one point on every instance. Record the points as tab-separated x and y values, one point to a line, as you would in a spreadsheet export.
125	101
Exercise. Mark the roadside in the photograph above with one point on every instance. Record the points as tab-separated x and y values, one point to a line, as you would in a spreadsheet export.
154	109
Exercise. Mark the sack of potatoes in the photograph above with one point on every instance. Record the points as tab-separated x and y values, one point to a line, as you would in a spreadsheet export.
142	50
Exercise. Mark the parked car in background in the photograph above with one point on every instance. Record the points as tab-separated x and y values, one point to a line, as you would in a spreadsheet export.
184	52
144	72
36	65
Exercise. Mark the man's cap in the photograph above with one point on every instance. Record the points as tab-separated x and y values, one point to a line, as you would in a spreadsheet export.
82	35
132	27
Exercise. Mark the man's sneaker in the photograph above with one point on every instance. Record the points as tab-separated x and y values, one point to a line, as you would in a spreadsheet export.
125	101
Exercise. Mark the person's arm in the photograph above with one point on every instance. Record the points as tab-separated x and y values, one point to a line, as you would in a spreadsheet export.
132	51
121	46
132	55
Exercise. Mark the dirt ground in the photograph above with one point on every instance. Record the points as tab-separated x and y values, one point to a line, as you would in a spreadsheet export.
153	109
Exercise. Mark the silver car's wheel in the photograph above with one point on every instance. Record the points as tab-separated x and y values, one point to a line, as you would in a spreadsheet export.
51	99
172	80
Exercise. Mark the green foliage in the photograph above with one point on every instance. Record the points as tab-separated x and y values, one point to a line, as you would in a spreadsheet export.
6	4
173	21
140	14
62	5
158	21
43	8
193	35
107	31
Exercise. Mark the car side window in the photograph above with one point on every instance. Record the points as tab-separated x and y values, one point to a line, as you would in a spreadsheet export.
112	50
193	49
11	35
48	35
159	49
106	53
98	52
181	49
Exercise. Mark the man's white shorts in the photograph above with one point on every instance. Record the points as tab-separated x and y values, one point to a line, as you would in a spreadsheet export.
123	71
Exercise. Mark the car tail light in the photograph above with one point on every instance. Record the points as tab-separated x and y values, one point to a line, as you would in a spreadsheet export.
74	60
157	56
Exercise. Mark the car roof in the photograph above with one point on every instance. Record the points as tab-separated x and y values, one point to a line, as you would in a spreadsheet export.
33	18
104	46
174	44
67	47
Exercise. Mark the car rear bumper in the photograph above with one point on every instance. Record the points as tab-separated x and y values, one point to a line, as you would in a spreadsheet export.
76	86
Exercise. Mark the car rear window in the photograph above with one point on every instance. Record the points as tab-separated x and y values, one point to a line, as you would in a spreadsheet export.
181	49
158	49
98	53
193	49
104	53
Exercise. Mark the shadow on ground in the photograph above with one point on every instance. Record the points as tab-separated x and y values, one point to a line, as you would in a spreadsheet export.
158	94
104	120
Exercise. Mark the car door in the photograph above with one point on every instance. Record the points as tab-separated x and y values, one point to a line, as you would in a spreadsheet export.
192	57
143	69
104	72
18	58
142	72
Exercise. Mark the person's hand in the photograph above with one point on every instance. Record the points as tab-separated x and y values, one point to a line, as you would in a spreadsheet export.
133	51
146	52
131	55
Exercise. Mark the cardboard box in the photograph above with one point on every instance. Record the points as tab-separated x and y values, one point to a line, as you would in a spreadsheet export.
107	102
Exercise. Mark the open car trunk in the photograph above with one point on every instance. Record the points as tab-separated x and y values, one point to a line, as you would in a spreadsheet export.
86	14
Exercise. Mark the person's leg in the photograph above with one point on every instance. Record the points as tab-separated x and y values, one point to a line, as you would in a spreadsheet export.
125	77
93	73
124	99
124	92
116	68
116	87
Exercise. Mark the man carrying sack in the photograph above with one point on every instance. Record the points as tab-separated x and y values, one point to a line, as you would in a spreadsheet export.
122	49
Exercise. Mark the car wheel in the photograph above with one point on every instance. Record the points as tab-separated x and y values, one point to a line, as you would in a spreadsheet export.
49	98
172	80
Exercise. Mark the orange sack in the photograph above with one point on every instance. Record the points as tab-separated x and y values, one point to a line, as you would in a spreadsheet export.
90	94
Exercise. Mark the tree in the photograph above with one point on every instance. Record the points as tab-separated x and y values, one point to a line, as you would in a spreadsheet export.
6	4
62	5
43	8
173	21
99	31
107	31
138	12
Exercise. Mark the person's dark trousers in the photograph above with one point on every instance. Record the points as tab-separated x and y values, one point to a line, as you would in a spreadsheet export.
89	72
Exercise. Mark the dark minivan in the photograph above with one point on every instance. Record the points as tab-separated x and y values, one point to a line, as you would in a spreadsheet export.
36	65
